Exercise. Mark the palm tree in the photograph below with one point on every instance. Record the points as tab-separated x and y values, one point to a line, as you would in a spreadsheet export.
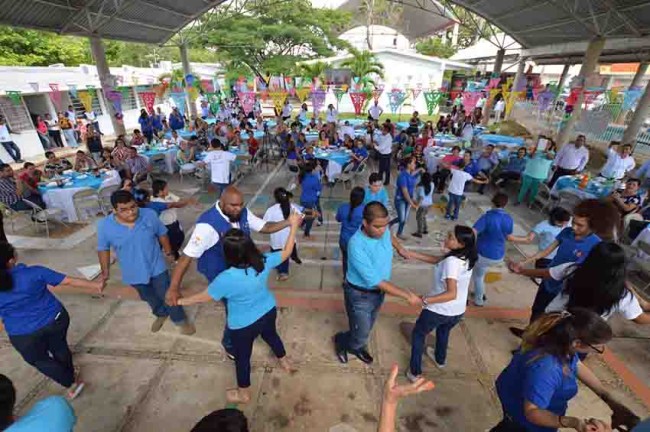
313	70
364	64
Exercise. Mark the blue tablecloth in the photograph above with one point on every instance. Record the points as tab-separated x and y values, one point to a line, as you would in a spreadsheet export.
183	133
444	139
257	134
500	140
339	156
596	188
159	150
402	125
90	181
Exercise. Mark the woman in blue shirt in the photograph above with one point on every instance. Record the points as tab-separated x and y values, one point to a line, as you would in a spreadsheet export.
350	215
541	379
375	190
35	320
146	125
311	188
251	305
405	194
514	168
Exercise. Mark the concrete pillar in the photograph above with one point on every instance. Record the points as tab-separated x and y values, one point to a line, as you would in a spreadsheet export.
589	62
99	55
518	75
454	35
498	64
186	71
636	81
640	114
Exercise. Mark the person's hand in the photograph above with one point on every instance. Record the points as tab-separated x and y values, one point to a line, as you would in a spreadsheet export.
295	219
595	425
621	415
173	297
514	267
414	205
181	302
403	252
414	300
393	392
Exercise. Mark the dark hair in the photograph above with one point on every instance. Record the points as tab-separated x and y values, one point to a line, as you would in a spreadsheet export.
557	215
309	166
630	180
356	199
374	210
468	252
48	153
143	113
455	148
7	253
468	152
157	186
598	284
554	333
215	143
223	420
524	149
283	197
374	178
30	164
3	166
7	402
603	217
121	197
82	152
425	182
136	130
500	200
240	251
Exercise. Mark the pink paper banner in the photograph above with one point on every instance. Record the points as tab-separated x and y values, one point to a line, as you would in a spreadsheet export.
415	92
470	100
149	100
207	86
247	100
55	95
358	99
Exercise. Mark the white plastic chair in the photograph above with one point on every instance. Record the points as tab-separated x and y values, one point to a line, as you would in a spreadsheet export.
84	201
44	216
104	194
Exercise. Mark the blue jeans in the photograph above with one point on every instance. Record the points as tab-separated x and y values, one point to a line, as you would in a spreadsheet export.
344	257
309	221
220	187
154	294
426	323
403	208
454	203
361	308
478	276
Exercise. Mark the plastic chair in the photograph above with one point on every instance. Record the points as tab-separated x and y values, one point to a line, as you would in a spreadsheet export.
185	169
43	216
544	197
86	199
568	199
158	164
346	176
104	195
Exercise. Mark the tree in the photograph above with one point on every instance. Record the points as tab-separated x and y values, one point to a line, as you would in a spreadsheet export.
364	64
270	36
19	47
435	47
380	12
313	70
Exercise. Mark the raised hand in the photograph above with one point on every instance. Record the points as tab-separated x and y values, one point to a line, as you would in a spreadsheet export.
393	392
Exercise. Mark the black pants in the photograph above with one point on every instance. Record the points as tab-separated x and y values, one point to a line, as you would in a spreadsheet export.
508	425
20	205
636	227
559	172
47	350
384	168
3	237
148	134
242	341
12	149
56	137
542	299
508	175
176	237
440	179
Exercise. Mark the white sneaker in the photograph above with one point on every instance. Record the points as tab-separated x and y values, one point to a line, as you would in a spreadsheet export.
431	353
412	378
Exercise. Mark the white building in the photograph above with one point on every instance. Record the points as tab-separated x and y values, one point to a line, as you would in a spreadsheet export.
34	85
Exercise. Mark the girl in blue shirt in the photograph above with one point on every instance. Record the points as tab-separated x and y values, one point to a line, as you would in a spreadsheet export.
311	189
541	379
350	215
35	320
405	194
251	305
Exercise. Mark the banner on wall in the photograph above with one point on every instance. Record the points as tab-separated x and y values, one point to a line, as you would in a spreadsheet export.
86	100
179	101
55	95
415	92
189	79
318	99
470	99
432	99
303	93
247	100
278	98
358	99
148	100
116	98
14	96
632	96
396	98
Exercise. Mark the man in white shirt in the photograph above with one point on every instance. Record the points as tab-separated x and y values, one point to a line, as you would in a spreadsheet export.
384	146
331	114
346	129
481	101
5	139
92	118
205	245
619	161
286	110
219	162
375	111
571	159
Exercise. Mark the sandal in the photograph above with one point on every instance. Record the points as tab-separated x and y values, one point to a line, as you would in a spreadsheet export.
75	390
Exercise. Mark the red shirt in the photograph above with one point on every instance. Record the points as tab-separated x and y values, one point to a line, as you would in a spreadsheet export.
41	127
31	181
253	145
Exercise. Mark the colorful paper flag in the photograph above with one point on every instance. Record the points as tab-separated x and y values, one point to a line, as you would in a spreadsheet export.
179	101
318	99
358	99
14	96
338	93
148	100
91	90
303	93
86	100
415	92
55	95
72	88
396	98
432	98
247	100
278	98
632	95
470	99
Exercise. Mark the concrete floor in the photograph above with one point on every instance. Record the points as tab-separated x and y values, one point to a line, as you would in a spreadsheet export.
139	381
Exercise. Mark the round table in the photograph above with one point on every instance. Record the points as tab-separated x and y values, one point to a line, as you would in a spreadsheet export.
336	159
499	140
170	156
596	188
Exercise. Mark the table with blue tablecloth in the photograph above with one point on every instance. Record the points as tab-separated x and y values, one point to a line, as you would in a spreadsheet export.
447	140
256	133
337	158
169	152
499	140
186	134
61	197
597	187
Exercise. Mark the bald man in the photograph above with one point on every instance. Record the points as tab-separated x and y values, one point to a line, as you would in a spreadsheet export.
205	243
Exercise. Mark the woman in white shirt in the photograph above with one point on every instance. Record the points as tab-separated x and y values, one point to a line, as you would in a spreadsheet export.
598	284
302	115
278	213
445	305
286	110
175	140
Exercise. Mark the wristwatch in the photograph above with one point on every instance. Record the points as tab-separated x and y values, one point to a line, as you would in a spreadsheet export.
424	300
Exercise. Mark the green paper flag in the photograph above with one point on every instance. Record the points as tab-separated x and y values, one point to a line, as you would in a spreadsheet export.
91	90
214	101
339	94
14	95
432	99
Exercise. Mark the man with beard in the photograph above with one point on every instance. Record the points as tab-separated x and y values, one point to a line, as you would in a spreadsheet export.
205	243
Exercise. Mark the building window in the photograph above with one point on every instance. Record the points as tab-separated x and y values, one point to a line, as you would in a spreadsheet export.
128	100
16	115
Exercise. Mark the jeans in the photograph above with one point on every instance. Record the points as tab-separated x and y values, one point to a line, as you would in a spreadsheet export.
421	218
440	179
20	205
55	136
45	141
70	138
220	187
530	186
47	350
176	237
478	276
154	294
283	268
542	299
320	210
12	149
426	323
403	209
148	134
361	308
243	339
344	257
453	204
508	425
384	168
309	221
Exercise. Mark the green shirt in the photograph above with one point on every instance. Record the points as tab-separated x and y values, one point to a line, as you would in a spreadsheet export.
538	166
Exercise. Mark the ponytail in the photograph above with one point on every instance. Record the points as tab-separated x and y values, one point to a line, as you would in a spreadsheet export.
283	197
356	199
7	253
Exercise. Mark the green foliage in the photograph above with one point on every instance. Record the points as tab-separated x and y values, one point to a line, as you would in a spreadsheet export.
313	70
364	64
435	47
19	47
270	36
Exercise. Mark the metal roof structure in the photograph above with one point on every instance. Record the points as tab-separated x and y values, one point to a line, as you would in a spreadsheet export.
146	21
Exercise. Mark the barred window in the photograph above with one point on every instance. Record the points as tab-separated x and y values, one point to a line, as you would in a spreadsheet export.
16	115
79	108
128	100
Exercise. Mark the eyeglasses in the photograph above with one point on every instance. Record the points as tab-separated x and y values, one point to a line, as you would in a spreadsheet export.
598	350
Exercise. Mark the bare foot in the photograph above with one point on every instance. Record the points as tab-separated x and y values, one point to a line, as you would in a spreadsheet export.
286	365
238	395
283	277
310	238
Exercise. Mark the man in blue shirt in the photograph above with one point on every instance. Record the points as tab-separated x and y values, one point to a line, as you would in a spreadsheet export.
136	236
370	256
514	168
487	162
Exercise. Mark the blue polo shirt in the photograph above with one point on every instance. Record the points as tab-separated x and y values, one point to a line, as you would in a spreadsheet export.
360	152
381	196
369	260
350	223
405	180
247	292
311	188
472	168
493	228
52	414
137	248
541	381
569	250
29	305
157	206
